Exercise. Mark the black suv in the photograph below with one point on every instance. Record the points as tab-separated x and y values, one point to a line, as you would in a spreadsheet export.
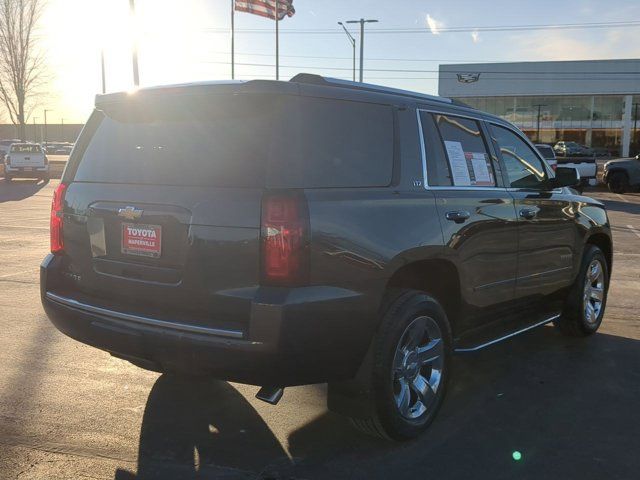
286	233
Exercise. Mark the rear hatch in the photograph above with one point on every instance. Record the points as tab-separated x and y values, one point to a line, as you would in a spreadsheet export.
26	156
163	205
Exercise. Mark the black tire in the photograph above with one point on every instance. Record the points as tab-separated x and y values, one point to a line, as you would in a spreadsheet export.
408	309
618	182
574	321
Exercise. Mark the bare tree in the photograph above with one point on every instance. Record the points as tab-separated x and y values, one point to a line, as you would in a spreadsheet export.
21	63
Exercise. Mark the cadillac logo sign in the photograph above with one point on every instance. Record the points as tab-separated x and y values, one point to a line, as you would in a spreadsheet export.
468	77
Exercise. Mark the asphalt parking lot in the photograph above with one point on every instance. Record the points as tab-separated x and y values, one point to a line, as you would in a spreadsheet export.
68	411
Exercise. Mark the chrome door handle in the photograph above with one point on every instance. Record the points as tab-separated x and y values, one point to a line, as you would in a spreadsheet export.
528	213
458	216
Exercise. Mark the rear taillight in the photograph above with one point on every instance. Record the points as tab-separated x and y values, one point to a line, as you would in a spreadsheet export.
57	243
285	239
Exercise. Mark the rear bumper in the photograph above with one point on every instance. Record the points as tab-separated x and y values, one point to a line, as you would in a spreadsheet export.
30	173
305	335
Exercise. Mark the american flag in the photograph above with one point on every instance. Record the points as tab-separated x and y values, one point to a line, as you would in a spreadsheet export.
266	8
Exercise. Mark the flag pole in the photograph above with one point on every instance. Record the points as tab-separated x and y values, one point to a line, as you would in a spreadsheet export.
233	35
277	42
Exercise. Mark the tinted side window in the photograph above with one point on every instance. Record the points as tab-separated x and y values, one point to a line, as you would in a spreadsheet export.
337	143
524	167
468	158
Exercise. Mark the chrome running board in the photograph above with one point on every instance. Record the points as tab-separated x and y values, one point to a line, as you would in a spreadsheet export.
505	337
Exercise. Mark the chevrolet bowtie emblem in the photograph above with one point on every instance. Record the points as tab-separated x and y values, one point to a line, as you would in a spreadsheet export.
130	213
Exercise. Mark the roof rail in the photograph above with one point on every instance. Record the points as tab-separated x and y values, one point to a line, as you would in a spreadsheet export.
314	79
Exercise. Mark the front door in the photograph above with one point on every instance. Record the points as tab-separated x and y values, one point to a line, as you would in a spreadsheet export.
546	218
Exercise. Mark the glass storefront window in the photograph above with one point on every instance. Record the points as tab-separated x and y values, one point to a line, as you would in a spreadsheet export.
595	121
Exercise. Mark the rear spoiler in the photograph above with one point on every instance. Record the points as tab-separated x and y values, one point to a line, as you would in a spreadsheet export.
200	88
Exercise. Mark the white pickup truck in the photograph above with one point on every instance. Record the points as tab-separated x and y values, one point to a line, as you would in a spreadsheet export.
586	166
26	160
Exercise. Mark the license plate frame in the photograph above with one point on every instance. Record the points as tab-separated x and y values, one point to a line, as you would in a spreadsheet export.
133	240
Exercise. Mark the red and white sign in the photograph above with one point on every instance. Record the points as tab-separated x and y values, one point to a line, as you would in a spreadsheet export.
142	240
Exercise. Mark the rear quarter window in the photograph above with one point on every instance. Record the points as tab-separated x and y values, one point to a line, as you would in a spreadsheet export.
337	143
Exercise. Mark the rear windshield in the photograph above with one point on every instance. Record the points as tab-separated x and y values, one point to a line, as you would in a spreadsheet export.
25	149
546	152
247	140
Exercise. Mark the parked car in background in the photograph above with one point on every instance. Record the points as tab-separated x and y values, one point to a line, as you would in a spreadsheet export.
50	147
580	157
587	151
622	175
4	146
64	149
548	154
317	230
573	149
601	152
26	160
567	149
58	148
586	167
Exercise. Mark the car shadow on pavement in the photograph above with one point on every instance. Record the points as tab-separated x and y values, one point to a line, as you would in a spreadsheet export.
193	427
20	189
567	405
564	404
624	207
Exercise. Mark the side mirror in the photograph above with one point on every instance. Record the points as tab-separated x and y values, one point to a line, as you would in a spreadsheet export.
565	177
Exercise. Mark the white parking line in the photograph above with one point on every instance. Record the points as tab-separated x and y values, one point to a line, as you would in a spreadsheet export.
24	226
622	198
15	273
630	227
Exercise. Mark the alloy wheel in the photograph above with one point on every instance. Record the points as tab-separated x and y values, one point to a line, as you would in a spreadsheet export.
593	296
417	367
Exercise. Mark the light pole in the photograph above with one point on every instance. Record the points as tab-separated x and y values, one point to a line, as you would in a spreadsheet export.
44	140
134	53
35	134
539	105
104	83
62	129
362	21
353	44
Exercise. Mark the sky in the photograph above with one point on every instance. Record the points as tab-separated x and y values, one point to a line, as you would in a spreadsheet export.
189	40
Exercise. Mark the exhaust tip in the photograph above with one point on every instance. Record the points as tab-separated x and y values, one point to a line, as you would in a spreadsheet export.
271	395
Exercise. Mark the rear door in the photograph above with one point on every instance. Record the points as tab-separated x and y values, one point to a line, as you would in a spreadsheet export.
547	229
163	206
476	212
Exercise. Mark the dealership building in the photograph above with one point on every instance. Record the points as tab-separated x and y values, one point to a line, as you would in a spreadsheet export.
595	102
